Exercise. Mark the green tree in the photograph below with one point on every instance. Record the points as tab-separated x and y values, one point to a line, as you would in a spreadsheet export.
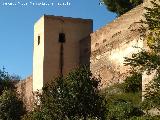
121	6
133	83
149	60
73	97
123	110
124	99
152	96
11	107
7	81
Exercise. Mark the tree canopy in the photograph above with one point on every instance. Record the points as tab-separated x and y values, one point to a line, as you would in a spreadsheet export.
121	6
7	80
11	107
148	60
73	97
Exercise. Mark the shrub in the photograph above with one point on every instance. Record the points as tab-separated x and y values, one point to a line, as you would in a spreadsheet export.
11	107
73	97
133	83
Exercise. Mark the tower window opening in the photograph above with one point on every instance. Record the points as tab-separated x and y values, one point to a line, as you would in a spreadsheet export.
38	40
62	37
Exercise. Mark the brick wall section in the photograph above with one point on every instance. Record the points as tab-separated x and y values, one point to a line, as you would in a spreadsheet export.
25	88
113	42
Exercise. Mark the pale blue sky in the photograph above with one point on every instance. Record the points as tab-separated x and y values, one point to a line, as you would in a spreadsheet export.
17	22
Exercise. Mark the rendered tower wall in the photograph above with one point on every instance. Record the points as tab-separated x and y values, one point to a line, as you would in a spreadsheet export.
51	57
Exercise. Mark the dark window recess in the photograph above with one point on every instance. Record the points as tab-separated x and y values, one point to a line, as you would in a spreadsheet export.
62	38
38	40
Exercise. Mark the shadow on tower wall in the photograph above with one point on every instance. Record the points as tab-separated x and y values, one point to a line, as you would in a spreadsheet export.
85	51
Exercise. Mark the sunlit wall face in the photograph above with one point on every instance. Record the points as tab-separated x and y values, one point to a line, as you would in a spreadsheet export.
53	57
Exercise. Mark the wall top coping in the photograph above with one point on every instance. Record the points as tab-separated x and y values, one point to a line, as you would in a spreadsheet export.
63	19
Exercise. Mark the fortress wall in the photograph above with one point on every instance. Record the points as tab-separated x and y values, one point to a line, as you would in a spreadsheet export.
113	42
24	89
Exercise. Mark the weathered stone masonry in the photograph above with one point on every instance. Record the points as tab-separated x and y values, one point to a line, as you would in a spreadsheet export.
113	42
25	88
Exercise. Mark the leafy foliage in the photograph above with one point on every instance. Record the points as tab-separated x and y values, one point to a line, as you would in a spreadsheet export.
150	30
121	6
33	115
147	117
149	60
74	97
123	110
152	96
152	16
133	83
121	103
11	108
7	81
144	61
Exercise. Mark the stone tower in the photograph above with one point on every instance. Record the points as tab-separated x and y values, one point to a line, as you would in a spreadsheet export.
60	44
